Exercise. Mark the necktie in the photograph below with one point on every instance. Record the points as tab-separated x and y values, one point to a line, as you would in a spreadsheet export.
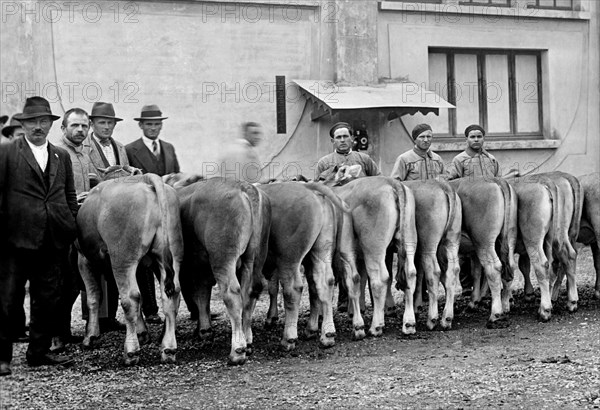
155	149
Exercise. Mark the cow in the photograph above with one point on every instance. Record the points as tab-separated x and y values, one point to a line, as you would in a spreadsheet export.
570	205
538	217
383	214
120	222
489	219
589	230
225	226
438	214
305	223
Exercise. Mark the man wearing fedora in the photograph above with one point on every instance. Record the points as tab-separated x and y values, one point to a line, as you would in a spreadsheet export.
38	206
12	131
105	151
151	154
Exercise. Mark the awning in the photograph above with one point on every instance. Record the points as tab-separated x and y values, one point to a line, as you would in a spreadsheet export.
394	98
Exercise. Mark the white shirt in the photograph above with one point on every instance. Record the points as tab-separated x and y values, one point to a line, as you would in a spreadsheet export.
40	153
148	142
109	152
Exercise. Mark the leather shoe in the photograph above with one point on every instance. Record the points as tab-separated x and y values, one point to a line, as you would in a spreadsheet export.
110	325
154	319
49	359
5	369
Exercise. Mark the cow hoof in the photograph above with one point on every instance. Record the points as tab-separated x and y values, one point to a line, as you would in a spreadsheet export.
572	307
310	334
446	324
409	328
206	334
289	344
90	343
238	358
131	358
359	333
327	342
249	350
271	323
529	298
168	356
545	314
376	331
143	338
501	322
432	324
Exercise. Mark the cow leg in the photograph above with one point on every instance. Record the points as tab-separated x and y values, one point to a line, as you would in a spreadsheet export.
312	326
432	273
356	287
324	280
525	267
273	314
170	305
390	303
572	281
94	296
378	278
131	299
251	287
231	292
202	297
450	278
476	273
493	272
596	254
291	281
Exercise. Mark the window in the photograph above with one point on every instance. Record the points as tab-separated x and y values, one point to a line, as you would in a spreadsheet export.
551	4
505	3
499	89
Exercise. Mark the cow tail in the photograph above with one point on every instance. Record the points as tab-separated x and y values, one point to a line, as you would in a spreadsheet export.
577	206
328	193
260	234
451	198
167	256
399	238
509	232
554	197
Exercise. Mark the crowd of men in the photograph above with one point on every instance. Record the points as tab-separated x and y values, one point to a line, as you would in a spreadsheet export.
42	185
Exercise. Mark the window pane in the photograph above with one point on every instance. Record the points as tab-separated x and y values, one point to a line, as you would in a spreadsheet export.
438	84
564	3
501	2
527	93
467	93
498	102
546	3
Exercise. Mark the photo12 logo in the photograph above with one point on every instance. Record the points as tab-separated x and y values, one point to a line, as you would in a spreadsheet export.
71	91
69	11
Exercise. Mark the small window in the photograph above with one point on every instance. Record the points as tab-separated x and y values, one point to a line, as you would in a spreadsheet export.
551	4
499	89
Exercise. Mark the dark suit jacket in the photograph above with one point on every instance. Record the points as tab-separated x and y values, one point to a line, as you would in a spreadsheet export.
29	209
140	157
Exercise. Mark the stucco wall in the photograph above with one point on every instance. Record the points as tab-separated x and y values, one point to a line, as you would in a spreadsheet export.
569	75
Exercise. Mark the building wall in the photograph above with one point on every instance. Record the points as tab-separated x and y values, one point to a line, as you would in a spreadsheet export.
570	44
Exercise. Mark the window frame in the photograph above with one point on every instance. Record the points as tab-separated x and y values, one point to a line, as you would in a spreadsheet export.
481	54
485	3
555	7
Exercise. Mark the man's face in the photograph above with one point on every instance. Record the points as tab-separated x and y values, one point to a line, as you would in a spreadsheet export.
253	135
36	129
17	133
475	140
103	127
77	128
423	141
151	128
342	140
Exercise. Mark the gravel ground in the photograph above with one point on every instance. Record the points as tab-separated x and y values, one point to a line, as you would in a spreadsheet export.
554	365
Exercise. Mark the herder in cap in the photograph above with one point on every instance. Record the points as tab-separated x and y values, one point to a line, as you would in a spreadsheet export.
474	161
420	163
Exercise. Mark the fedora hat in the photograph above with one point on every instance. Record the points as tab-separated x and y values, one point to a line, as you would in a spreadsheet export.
36	107
7	130
151	112
104	110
